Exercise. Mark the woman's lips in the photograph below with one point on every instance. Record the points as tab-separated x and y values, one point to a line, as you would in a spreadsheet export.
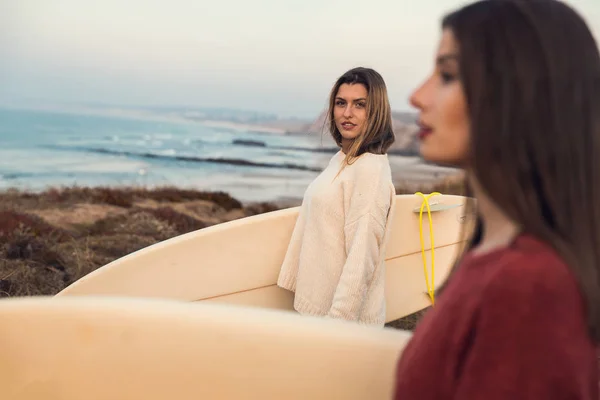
423	133
348	126
424	130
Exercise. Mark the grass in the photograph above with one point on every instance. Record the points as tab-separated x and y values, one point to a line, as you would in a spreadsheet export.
49	240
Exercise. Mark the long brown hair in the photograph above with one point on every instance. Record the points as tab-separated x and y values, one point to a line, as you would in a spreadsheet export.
531	76
378	135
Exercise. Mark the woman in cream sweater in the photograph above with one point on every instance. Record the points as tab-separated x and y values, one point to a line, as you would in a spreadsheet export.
335	260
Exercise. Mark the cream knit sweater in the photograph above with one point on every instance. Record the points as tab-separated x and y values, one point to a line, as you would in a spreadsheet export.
335	259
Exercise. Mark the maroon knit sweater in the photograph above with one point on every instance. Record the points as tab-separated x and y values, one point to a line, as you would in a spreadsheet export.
511	324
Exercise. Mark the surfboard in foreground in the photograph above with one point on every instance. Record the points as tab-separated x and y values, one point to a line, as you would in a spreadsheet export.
238	262
114	349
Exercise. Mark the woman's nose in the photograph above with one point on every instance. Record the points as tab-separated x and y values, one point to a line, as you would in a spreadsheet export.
348	111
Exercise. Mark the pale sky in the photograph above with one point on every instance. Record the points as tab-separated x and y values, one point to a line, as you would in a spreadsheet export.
279	56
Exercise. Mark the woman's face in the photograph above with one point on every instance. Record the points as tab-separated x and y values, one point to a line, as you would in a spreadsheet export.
443	119
350	110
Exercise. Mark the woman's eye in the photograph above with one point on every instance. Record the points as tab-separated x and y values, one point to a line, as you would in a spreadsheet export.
446	77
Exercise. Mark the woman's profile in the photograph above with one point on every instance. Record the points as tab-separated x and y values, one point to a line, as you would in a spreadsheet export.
514	100
335	260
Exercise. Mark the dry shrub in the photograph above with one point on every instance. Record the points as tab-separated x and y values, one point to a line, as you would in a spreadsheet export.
79	259
260	208
182	223
116	246
124	197
25	246
159	223
30	264
87	254
116	197
175	195
22	278
139	223
11	220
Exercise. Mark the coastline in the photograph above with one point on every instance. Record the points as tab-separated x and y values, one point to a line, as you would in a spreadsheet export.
179	117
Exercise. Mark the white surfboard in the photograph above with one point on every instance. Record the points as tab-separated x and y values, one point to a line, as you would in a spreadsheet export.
238	262
114	349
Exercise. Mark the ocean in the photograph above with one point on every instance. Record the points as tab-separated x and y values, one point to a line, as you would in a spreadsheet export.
41	149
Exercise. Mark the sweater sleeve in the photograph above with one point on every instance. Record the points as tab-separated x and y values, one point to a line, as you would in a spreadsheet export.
363	241
364	231
530	340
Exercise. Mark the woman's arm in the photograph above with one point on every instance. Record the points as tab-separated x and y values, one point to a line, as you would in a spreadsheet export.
363	248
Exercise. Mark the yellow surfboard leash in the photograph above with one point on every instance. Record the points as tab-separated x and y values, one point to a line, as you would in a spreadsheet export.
430	289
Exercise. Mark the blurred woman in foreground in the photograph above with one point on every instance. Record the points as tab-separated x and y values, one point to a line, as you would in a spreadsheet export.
515	101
